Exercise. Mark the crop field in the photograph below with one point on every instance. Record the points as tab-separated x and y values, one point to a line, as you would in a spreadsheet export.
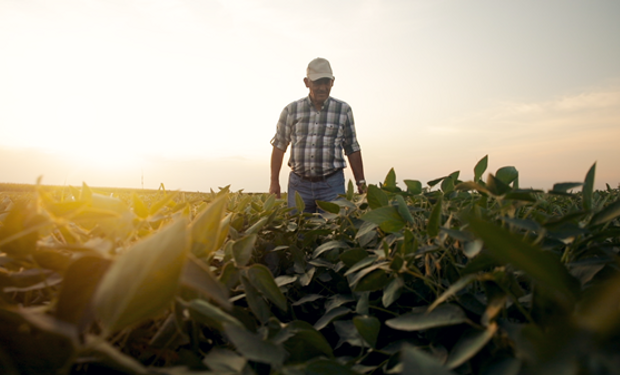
472	276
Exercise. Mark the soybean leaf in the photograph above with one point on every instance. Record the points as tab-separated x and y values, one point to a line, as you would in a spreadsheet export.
329	246
607	214
329	316
376	197
198	276
144	279
139	208
224	361
253	348
370	280
256	303
206	313
480	168
243	248
497	186
453	289
368	327
305	343
328	367
80	281
447	185
564	187
329	207
348	334
434	220
417	362
403	209
388	218
507	175
543	267
262	279
392	292
444	315
111	356
389	183
588	188
413	187
469	344
206	227
299	202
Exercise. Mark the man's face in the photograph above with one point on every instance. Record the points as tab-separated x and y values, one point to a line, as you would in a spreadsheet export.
319	89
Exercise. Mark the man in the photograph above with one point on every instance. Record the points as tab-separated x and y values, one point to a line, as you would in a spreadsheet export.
319	128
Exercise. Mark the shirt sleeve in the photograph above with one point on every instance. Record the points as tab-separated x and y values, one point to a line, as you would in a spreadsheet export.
350	139
283	132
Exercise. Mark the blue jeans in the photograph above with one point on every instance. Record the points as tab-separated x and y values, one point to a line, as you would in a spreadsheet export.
326	190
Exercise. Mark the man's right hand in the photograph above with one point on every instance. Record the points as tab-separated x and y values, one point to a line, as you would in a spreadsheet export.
274	188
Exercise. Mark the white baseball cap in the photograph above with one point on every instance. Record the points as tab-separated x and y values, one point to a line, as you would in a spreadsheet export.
319	68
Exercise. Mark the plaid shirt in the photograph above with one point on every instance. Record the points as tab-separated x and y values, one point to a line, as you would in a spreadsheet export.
317	137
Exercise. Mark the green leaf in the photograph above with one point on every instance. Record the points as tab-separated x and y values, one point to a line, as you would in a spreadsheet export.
262	279
368	327
444	315
80	281
351	257
256	303
198	276
403	209
329	246
376	197
256	227
204	312
111	357
299	202
588	188
542	267
507	174
434	220
390	181
222	361
350	191
370	279
453	289
417	362
159	205
388	218
497	186
564	187
469	344
207	225
447	185
392	292
305	343
243	248
328	367
480	168
607	214
329	316
139	208
413	187
144	279
330	207
253	348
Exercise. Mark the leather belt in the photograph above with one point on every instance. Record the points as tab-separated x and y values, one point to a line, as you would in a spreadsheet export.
318	178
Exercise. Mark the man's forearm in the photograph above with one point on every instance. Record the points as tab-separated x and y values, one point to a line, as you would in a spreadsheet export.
357	165
277	156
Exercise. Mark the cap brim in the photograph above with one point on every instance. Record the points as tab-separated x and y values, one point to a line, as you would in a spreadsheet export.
317	76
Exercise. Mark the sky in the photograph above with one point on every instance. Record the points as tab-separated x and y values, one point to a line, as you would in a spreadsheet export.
136	93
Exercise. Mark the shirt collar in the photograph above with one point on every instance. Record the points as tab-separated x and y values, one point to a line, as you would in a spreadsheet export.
309	101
